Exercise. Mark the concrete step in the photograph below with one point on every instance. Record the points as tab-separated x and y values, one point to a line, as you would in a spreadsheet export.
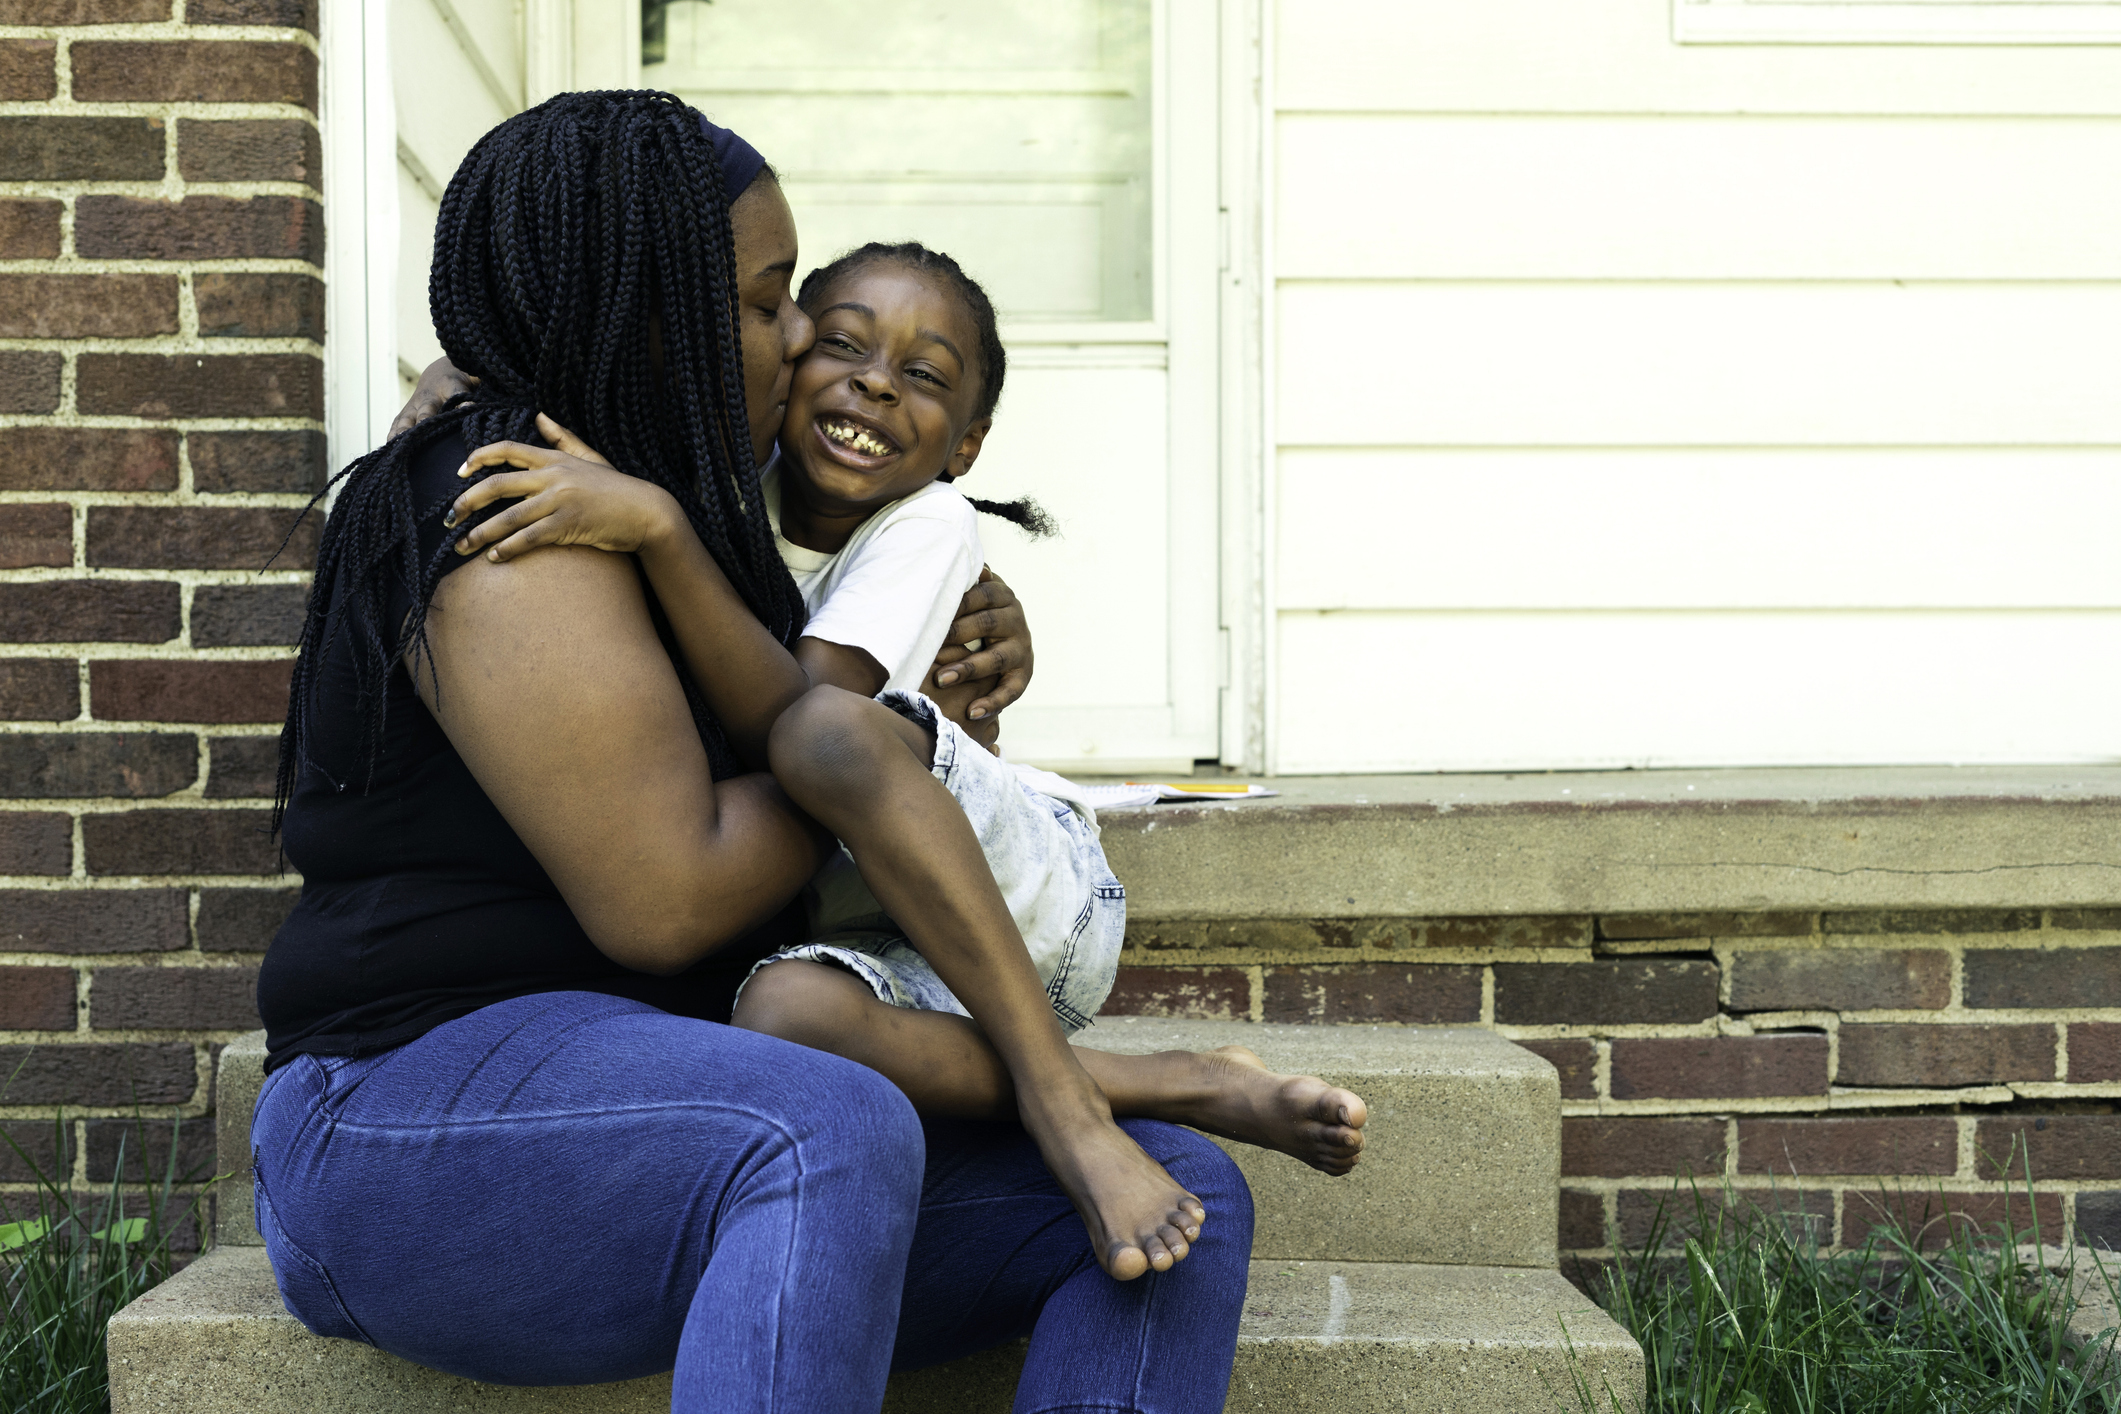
1350	1337
1462	1162
1462	1157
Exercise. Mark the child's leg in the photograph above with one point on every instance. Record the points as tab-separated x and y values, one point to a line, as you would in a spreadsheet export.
946	1068
862	771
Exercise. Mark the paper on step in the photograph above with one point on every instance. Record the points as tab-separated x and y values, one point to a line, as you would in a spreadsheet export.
1132	793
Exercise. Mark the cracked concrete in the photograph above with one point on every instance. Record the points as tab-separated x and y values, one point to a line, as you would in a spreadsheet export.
1631	841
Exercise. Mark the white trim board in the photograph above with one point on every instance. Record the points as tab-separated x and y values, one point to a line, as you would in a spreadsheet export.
1904	22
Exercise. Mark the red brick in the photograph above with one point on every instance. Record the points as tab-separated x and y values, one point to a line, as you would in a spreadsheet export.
147	1147
1714	1067
52	149
46	1150
1630	1147
228	615
39	689
286	14
89	611
82	12
29	380
1931	1217
1690	1208
249	150
2104	919
1608	992
201	385
171	690
1577	1061
49	765
248	767
29	230
81	921
2058	1146
36	999
1408	994
1582	1219
1811	1148
1841	979
244	306
1224	993
194	71
1648	926
2099	1219
242	920
107	1073
89	459
1931	920
36	535
200	537
2094	1051
106	306
258	461
36	842
173	999
199	228
29	71
181	842
1924	1055
2014	977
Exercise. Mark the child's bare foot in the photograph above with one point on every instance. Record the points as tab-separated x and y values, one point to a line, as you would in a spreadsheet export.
1299	1115
1139	1218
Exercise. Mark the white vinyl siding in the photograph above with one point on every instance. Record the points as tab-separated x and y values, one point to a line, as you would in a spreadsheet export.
1646	404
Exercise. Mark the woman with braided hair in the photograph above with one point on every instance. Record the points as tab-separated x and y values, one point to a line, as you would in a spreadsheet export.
503	1133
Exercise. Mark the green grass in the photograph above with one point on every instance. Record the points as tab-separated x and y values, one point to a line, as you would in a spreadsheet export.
69	1260
1748	1316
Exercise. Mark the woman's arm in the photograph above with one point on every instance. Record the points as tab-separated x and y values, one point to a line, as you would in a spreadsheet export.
439	382
556	692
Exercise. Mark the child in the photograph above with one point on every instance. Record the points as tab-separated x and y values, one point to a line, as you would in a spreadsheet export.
897	392
882	549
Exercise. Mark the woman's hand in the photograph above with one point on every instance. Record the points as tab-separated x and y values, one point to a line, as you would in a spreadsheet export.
566	495
438	384
989	612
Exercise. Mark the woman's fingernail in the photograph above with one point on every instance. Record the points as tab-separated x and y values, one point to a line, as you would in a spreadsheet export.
945	679
464	470
978	712
449	520
494	555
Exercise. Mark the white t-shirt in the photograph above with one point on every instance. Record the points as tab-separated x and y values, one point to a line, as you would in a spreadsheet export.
893	589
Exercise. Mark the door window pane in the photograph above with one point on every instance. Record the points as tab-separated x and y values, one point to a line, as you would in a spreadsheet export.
1014	134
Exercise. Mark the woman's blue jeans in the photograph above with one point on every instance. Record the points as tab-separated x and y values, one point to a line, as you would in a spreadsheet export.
570	1188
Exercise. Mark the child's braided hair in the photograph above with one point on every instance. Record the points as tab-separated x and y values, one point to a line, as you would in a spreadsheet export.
1024	513
568	234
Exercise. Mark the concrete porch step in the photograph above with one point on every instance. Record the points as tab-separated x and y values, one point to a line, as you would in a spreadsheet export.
1462	1162
1350	1337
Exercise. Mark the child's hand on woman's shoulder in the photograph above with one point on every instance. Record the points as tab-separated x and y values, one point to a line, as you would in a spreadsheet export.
565	494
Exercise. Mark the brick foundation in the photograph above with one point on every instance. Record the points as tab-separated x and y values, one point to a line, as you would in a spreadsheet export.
1856	1068
161	375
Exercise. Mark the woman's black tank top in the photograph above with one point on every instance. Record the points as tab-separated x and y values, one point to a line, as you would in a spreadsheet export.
419	903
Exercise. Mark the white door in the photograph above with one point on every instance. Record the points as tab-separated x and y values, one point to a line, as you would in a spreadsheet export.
1065	152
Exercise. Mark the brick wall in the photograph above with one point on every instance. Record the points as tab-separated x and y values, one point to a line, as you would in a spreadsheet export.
1854	1067
161	389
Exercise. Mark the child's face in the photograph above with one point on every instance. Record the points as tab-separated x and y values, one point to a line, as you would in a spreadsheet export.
883	402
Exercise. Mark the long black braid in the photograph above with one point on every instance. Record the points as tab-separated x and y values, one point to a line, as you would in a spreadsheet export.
1024	513
570	237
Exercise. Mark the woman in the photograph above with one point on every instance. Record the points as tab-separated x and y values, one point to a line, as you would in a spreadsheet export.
495	1139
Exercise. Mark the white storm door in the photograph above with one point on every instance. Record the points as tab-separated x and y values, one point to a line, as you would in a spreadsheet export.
1065	152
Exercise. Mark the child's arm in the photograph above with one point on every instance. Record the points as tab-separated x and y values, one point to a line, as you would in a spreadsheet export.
841	666
571	496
